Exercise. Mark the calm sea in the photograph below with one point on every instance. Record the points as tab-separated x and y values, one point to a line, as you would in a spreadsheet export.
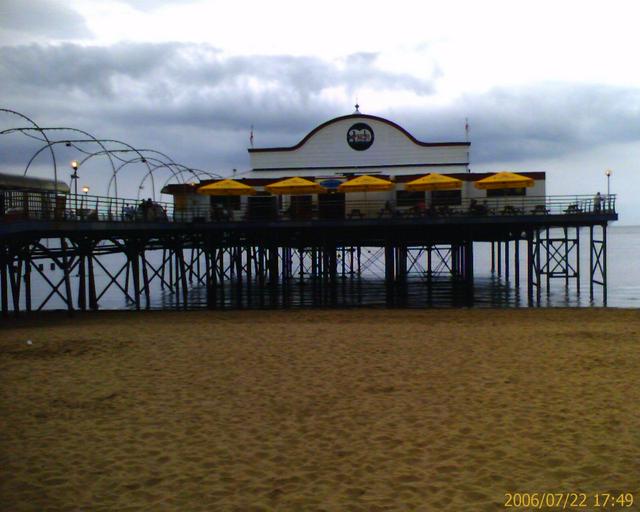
489	290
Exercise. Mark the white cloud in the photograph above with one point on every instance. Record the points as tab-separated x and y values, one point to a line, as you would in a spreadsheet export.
548	84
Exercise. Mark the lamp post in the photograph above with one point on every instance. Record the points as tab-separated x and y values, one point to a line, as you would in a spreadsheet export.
74	177
85	203
608	174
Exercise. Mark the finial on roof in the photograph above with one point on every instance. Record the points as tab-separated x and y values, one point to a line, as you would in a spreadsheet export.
357	109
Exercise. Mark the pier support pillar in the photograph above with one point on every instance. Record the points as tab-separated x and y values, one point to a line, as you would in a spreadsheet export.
389	274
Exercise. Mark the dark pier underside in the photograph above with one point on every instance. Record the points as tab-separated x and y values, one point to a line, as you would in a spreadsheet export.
270	257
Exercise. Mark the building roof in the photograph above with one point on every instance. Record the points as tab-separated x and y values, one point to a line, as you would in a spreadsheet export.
359	117
262	181
17	181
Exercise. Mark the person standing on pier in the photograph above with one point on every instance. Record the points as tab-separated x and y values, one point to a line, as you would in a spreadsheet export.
597	202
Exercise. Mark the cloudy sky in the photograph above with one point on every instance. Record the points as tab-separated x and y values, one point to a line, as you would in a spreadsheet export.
547	86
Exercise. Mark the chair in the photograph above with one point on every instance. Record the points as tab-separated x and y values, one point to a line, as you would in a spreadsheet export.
573	208
510	210
477	209
540	208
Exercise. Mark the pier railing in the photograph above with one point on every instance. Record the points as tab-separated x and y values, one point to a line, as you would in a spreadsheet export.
23	205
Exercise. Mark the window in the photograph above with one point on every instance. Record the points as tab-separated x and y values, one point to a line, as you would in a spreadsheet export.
228	202
406	198
502	192
446	197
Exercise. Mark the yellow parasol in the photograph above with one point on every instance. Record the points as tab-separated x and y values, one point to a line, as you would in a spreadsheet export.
226	188
295	186
504	180
433	181
365	183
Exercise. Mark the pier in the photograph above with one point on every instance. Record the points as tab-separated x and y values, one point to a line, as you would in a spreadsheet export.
358	199
251	262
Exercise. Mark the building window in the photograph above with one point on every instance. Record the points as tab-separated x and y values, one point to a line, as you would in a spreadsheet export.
406	198
502	192
227	202
446	197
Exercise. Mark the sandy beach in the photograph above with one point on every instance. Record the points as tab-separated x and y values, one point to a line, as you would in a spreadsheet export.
360	410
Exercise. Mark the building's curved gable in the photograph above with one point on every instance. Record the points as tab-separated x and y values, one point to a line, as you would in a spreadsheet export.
359	140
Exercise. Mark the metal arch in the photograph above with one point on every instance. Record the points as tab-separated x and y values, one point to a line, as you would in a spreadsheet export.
197	172
177	175
67	128
159	153
153	183
189	169
161	164
89	155
98	141
141	157
131	149
174	163
110	153
194	172
64	128
37	127
65	141
70	142
114	178
49	145
168	166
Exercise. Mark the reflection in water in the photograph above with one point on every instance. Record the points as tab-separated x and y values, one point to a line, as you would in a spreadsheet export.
372	292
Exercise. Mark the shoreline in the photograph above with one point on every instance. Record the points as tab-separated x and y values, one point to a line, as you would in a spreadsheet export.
359	409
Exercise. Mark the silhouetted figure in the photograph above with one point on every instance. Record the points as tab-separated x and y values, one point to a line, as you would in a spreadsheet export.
597	202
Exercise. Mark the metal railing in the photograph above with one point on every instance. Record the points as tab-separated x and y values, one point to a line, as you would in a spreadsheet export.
23	204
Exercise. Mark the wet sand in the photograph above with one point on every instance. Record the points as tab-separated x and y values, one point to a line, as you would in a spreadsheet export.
317	410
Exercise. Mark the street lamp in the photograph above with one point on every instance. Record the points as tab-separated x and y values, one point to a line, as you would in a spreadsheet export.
85	189
608	174
74	177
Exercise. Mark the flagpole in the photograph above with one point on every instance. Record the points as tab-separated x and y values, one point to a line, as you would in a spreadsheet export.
466	136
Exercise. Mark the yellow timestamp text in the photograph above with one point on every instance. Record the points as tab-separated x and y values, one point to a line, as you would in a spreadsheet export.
568	500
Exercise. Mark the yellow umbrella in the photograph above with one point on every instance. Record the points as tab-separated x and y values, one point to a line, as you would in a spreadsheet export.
433	181
295	186
504	180
226	188
365	183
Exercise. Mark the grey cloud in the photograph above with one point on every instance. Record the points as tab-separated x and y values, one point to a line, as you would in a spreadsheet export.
172	77
553	119
197	105
542	120
174	70
41	18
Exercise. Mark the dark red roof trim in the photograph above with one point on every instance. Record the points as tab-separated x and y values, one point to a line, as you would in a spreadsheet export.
178	188
470	176
360	116
403	178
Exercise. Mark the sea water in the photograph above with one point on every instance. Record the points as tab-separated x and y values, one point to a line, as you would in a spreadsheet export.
489	290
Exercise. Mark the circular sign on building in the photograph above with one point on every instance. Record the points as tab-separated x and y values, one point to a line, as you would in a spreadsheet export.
360	136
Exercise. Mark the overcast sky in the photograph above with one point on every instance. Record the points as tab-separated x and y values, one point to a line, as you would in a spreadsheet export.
547	86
